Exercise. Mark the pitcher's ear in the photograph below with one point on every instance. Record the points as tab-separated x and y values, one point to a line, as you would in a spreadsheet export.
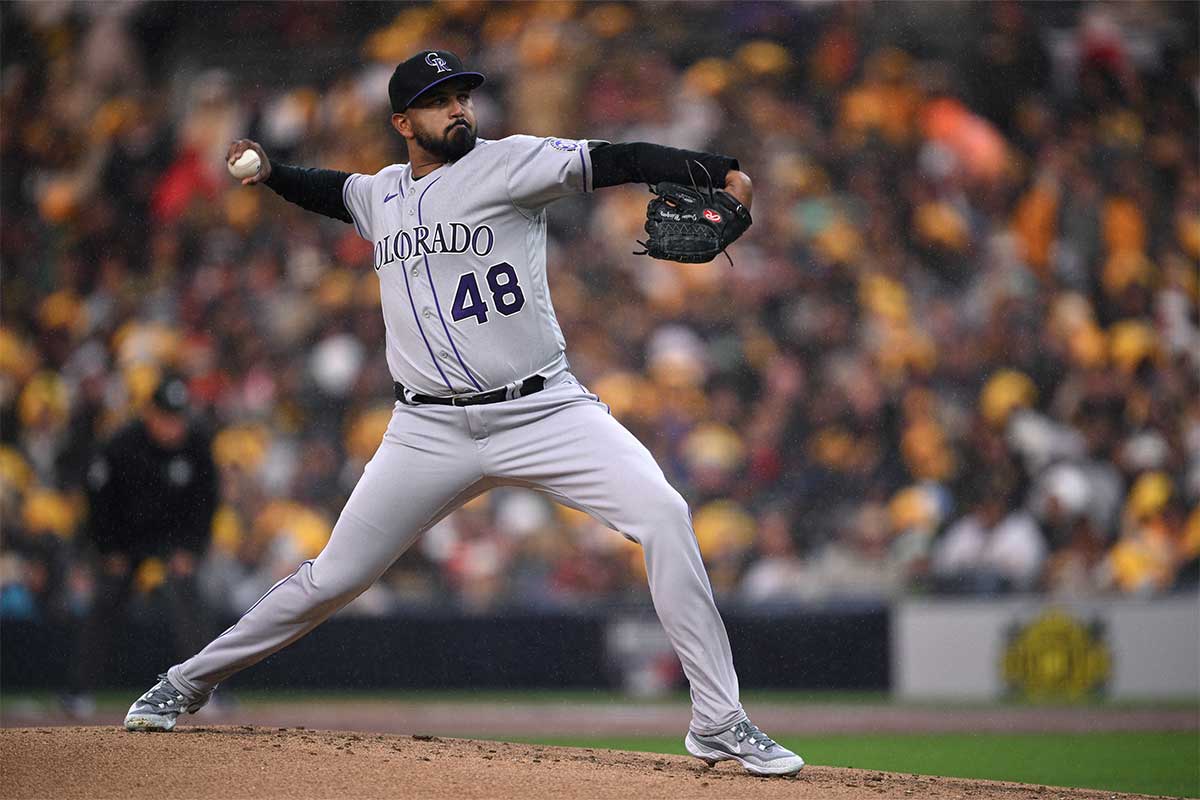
402	125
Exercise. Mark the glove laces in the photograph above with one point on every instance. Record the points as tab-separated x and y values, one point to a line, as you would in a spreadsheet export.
712	195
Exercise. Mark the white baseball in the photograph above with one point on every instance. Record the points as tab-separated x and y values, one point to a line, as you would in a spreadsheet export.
246	166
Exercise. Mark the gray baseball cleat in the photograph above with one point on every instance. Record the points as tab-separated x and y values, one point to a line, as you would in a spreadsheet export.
157	709
749	746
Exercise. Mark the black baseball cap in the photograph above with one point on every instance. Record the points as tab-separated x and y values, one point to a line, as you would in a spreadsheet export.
172	395
422	72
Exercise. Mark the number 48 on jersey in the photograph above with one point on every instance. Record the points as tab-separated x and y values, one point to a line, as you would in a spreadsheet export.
507	296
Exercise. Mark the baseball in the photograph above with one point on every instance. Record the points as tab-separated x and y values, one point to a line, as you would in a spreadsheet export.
246	166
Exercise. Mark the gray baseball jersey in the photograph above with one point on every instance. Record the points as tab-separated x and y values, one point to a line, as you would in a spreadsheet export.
461	259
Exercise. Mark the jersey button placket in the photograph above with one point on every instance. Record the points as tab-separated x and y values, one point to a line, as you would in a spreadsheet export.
408	205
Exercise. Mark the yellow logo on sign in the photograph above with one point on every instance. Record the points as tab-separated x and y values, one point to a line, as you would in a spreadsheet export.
1056	656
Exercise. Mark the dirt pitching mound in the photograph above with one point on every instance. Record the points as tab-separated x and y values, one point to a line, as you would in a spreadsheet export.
231	762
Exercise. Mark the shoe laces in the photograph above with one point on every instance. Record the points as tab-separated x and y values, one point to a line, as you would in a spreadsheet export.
747	730
165	696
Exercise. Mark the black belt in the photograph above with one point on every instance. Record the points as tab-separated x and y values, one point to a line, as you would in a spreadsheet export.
530	385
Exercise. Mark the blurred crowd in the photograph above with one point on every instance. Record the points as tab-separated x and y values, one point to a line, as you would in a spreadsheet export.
958	351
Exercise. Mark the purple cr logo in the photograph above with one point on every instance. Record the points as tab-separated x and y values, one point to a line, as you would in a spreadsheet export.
566	147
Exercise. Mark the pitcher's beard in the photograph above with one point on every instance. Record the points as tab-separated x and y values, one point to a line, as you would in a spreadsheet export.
453	144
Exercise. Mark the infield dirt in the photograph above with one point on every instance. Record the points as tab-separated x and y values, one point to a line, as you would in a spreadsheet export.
232	762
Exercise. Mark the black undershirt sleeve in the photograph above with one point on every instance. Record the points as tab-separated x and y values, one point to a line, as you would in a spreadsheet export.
643	162
318	190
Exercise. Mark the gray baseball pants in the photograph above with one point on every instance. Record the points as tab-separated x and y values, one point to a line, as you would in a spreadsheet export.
560	441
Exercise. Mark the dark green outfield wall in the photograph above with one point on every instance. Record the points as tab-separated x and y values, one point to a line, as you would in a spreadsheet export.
844	648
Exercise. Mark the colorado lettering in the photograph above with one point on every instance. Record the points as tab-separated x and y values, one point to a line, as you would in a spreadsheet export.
453	237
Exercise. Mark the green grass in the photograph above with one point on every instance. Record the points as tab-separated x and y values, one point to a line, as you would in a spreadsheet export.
1151	763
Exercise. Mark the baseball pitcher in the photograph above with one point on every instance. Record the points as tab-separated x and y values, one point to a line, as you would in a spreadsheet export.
484	393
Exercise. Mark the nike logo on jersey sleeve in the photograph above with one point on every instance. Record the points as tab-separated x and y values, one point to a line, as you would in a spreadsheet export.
390	196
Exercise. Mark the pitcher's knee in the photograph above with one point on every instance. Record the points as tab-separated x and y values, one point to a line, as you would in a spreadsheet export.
666	510
335	590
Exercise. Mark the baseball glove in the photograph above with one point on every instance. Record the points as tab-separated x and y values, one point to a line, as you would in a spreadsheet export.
692	225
